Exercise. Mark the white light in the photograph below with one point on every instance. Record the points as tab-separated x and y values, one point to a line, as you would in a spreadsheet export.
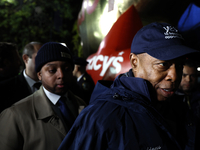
85	4
63	44
90	3
198	68
107	19
96	34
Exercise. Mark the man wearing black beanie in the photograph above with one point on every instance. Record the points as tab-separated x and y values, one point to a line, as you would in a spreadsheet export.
41	120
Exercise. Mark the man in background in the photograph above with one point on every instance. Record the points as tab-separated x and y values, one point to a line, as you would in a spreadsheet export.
10	61
84	80
189	93
189	77
24	84
188	86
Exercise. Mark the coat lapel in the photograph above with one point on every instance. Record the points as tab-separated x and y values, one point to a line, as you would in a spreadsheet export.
44	111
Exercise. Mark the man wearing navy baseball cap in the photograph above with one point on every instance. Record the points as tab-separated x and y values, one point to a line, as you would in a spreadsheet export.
41	120
137	111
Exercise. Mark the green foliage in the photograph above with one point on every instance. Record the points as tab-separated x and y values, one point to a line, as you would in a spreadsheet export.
76	41
23	21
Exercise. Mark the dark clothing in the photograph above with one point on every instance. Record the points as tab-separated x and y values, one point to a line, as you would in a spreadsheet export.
123	117
4	78
192	101
13	90
86	85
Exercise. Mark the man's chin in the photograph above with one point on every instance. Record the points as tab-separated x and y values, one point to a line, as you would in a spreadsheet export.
162	98
186	90
61	92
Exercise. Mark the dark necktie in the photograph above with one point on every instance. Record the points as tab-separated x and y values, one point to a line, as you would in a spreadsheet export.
37	85
65	111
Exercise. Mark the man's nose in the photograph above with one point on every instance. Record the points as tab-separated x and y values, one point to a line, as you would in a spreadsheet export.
60	73
173	74
188	78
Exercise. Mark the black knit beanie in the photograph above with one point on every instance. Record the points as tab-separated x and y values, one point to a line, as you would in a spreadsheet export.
52	51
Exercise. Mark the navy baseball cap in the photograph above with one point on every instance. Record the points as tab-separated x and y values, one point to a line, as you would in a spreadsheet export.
160	40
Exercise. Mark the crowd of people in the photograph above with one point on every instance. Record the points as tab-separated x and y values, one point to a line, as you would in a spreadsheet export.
54	104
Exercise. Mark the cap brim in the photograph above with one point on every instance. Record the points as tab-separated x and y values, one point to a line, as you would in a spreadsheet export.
172	52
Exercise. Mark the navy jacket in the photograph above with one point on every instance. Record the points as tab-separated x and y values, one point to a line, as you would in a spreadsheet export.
122	118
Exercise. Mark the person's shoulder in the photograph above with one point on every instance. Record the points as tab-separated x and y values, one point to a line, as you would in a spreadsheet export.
196	92
114	106
87	77
24	102
195	96
21	107
86	83
14	81
107	115
7	81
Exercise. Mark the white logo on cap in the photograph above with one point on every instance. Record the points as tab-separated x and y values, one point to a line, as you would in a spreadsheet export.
172	32
63	54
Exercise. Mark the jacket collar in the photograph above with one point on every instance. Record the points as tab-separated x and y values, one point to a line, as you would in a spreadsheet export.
138	85
42	105
124	83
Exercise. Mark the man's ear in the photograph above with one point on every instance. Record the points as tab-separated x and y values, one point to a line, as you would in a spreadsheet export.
25	58
39	74
134	61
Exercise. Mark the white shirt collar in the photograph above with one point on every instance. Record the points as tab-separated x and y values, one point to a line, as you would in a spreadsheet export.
79	77
52	97
30	81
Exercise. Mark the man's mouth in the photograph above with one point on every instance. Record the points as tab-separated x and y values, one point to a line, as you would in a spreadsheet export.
187	85
167	92
60	85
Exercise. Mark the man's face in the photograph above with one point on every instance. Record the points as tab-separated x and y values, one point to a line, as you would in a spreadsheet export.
30	63
56	76
189	79
164	76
